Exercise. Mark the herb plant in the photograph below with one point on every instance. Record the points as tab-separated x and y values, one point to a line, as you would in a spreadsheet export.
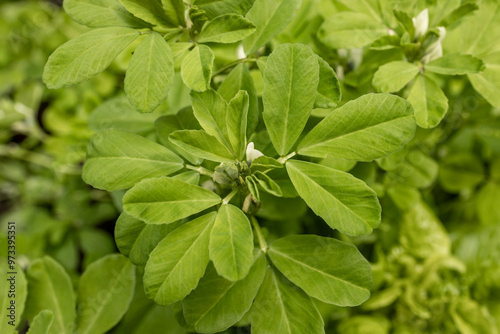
286	166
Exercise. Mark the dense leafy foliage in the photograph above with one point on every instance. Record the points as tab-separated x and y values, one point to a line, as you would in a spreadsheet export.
283	166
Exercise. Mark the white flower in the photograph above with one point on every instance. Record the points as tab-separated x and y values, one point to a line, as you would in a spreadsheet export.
435	50
252	153
421	23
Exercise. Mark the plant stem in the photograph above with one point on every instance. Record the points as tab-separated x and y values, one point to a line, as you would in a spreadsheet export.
260	236
233	64
229	197
200	170
284	159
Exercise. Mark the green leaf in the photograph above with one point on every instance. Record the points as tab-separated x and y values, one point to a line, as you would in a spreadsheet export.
41	323
178	262
231	243
422	234
240	79
252	187
394	76
268	184
203	145
136	239
210	110
405	22
269	17
429	102
370	127
487	209
101	13
196	68
327	269
486	82
6	300
117	160
281	308
150	73
166	125
348	30
329	93
118	113
415	168
264	163
460	171
229	28
343	201
291	81
216	304
105	291
175	11
165	200
237	115
455	64
470	317
86	56
50	289
214	8
150	11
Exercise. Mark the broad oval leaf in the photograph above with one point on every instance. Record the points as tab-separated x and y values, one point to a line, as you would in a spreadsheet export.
217	304
348	30
240	79
210	109
165	200
50	289
136	240
86	56
282	308
196	68
201	144
330	270
370	127
394	76
343	201
329	93
455	64
105	291
229	28
178	262
118	159
237	116
214	8
486	82
269	17
41	323
101	13
166	125
429	102
231	243
118	113
291	80
150	73
150	11
175	11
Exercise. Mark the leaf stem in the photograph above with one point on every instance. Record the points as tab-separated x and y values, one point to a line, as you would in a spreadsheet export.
233	64
229	197
200	170
284	159
260	236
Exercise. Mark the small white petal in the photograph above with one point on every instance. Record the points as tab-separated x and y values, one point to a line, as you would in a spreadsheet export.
240	52
252	153
421	23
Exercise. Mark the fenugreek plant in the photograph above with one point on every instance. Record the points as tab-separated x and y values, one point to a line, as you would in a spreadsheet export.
192	188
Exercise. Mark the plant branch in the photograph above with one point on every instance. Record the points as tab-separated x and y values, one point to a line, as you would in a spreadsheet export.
200	170
260	236
284	159
229	197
